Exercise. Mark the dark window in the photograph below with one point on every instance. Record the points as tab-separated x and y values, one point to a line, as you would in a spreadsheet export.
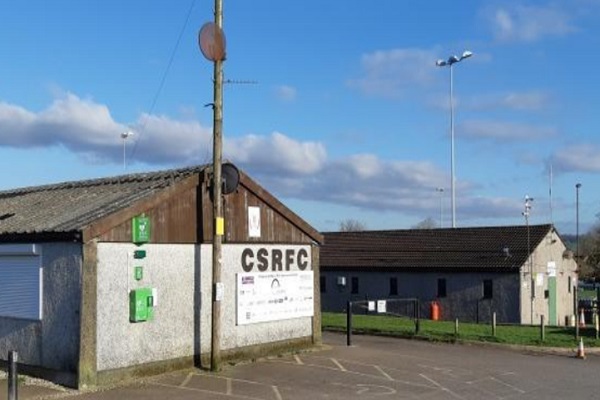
569	284
441	289
393	286
323	284
488	289
354	285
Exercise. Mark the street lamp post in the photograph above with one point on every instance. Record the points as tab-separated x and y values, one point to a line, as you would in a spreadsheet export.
526	213
577	187
575	296
124	136
449	63
440	190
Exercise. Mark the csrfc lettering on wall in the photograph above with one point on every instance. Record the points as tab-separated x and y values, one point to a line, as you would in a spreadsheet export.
275	258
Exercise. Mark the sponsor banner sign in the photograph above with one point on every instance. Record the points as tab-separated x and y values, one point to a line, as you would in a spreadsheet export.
264	296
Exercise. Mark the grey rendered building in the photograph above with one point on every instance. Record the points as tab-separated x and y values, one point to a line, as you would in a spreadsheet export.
111	278
519	272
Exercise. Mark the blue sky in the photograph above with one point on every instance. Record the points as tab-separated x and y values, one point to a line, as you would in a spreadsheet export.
349	118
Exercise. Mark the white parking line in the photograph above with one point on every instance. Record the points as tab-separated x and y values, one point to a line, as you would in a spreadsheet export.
378	368
445	389
277	394
340	366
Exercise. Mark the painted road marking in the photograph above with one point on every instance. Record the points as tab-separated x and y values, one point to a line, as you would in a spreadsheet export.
277	394
445	389
186	380
340	366
237	396
378	368
364	388
229	386
516	389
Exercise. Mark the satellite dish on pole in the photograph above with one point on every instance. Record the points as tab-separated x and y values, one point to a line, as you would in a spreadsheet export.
211	41
231	178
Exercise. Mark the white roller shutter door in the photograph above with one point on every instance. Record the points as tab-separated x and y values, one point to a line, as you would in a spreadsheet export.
21	282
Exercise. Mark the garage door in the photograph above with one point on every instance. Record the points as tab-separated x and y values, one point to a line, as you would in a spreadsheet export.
21	282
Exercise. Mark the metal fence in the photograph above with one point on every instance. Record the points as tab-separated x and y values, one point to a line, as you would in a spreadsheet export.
408	308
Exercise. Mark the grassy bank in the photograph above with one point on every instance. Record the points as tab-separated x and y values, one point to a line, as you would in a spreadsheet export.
445	331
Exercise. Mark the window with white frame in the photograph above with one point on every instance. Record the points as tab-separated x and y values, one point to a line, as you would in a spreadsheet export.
21	281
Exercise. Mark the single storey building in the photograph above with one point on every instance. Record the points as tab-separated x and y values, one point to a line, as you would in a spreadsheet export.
519	272
111	278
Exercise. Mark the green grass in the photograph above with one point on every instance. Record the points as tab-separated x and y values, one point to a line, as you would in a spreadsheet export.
587	294
444	331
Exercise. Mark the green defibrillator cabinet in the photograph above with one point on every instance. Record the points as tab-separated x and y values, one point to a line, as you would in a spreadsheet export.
141	305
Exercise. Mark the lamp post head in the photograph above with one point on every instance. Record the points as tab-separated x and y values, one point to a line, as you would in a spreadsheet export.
578	185
126	134
454	59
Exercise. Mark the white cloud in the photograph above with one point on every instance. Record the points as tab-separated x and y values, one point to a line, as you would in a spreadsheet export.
276	153
580	157
391	73
518	101
286	93
286	166
528	23
504	131
87	128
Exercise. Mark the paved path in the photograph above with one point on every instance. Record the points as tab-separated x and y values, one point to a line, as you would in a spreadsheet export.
378	368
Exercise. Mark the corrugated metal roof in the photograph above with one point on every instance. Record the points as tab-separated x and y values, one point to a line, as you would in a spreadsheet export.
71	206
479	248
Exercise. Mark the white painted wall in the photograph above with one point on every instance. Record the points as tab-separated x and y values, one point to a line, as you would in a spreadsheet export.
171	269
232	335
170	335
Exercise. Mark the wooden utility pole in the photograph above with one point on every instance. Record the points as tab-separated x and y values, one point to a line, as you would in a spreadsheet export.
218	222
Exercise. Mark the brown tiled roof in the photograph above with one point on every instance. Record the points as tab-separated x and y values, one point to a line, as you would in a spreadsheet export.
70	206
483	248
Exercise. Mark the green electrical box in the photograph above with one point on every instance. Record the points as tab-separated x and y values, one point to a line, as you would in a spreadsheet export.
139	254
140	229
138	273
141	305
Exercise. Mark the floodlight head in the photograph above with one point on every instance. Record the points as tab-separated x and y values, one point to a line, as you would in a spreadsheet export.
453	59
578	185
440	63
466	54
126	134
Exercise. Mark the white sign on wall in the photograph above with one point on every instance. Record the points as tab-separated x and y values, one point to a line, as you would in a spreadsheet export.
254	221
551	268
263	297
381	306
539	281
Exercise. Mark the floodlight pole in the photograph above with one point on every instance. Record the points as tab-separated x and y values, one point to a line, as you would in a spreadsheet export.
440	190
526	213
124	136
577	187
449	63
218	223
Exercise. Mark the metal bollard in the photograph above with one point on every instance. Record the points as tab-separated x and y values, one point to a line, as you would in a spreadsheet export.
542	329
349	324
13	358
494	324
456	327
